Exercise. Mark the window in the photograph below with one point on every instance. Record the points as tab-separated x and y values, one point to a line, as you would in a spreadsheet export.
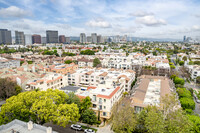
104	114
94	98
104	100
94	105
104	107
100	100
100	107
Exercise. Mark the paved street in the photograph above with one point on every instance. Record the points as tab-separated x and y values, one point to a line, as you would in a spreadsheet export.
197	107
60	129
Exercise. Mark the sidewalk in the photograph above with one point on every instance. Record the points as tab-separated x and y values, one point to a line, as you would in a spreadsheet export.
105	129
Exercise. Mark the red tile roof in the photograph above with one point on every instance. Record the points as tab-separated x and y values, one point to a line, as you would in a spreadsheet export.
111	95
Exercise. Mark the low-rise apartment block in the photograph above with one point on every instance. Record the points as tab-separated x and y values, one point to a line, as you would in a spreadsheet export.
9	63
149	90
49	81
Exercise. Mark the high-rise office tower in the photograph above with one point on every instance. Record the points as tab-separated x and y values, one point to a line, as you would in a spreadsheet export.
28	39
5	36
36	39
52	36
99	39
82	38
62	39
184	38
43	40
89	39
94	37
19	37
68	40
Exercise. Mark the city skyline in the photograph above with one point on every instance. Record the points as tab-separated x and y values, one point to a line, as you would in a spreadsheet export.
146	18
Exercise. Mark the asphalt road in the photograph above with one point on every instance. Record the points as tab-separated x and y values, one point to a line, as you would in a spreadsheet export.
60	129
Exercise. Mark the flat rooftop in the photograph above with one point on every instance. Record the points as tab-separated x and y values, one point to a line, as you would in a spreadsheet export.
22	127
150	90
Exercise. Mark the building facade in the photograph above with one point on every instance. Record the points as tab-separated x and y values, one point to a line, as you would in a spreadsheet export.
5	36
62	39
52	36
94	37
9	63
36	39
28	39
19	37
82	38
68	41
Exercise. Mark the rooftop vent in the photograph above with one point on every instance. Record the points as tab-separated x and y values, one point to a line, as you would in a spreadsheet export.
30	125
49	129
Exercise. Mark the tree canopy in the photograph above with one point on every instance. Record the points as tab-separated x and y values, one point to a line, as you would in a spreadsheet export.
8	88
87	52
96	62
40	107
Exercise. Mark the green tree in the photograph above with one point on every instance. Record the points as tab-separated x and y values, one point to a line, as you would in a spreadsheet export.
184	58
178	80
191	63
67	54
73	99
196	62
87	52
89	117
154	121
41	107
85	104
198	80
176	121
181	63
124	119
172	67
195	121
187	103
68	62
96	62
8	88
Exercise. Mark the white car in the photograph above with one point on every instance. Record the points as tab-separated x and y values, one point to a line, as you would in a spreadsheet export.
89	131
76	127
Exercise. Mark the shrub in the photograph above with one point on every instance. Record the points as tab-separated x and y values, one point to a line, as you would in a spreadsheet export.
187	103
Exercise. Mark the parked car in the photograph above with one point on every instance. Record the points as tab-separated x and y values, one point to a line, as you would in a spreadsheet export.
89	131
76	127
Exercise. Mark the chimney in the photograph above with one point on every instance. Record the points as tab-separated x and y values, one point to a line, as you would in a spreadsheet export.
30	125
49	129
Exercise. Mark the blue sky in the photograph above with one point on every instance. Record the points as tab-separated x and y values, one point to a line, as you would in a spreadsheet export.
140	18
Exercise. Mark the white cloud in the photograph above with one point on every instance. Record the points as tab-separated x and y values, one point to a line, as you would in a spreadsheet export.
40	27
13	11
98	23
196	27
197	15
150	21
141	13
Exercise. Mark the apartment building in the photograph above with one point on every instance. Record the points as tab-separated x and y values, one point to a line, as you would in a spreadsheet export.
194	70
61	68
84	62
9	63
94	77
107	92
124	62
149	90
49	81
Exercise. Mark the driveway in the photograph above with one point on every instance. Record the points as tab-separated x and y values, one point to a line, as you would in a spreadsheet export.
105	129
